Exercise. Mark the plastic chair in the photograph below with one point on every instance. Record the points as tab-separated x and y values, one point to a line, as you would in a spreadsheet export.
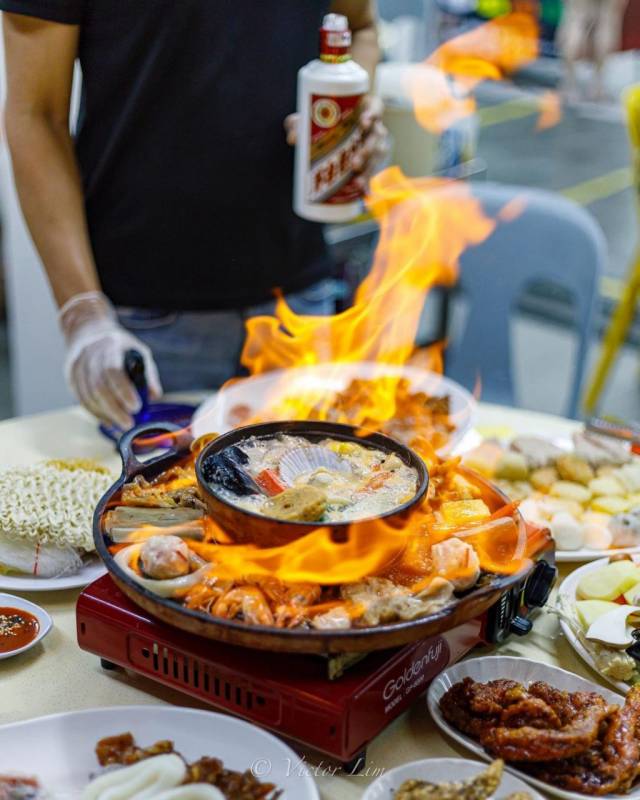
552	240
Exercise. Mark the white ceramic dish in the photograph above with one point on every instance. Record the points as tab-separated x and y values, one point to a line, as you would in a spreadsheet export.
93	570
439	770
585	556
525	671
59	750
567	598
215	415
45	622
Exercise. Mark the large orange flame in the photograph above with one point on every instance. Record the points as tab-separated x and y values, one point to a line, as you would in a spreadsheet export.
442	95
425	226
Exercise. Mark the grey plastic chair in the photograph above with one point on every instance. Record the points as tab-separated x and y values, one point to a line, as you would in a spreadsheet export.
553	240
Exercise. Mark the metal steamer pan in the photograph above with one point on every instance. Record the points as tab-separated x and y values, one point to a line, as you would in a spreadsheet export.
473	604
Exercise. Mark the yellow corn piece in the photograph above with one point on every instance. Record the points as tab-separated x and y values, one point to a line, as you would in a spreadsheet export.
342	448
610	504
463	512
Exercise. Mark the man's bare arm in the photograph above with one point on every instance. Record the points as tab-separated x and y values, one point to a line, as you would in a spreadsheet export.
40	56
362	21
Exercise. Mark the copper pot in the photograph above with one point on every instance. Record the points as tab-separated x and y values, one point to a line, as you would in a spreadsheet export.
252	528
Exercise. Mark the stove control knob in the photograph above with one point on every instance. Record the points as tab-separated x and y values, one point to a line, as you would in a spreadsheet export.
520	626
539	585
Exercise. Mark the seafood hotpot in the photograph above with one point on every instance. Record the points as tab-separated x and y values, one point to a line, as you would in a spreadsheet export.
475	603
250	527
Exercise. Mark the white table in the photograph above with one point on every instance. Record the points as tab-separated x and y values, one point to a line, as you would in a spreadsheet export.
57	676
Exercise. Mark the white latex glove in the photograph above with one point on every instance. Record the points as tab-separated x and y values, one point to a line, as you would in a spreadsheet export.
94	364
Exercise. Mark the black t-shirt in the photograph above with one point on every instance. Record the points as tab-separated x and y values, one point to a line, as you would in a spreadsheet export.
187	175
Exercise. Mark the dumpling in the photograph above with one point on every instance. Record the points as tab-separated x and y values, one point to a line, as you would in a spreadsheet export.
165	557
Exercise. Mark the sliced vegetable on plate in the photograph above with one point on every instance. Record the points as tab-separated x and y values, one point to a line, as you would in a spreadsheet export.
600	617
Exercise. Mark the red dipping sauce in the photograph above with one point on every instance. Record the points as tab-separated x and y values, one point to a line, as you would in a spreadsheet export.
17	628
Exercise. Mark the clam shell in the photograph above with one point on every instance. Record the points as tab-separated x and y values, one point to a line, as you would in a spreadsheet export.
302	460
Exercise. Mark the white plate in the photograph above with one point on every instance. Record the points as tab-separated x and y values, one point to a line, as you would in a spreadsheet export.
524	671
567	593
93	570
585	556
441	770
59	750
268	390
44	621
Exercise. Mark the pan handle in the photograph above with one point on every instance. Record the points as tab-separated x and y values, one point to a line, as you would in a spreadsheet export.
178	444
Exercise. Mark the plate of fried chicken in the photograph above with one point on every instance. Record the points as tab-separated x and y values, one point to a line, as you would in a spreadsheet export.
561	733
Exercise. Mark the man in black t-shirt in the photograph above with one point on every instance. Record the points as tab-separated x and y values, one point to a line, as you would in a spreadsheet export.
167	219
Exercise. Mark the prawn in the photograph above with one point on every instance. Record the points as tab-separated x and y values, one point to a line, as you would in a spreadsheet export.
205	594
303	594
247	601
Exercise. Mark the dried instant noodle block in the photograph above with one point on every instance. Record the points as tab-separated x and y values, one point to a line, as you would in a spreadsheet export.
52	502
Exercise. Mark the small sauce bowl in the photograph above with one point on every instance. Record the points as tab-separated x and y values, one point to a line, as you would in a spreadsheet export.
42	625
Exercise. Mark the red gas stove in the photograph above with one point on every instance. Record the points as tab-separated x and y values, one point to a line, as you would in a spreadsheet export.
335	705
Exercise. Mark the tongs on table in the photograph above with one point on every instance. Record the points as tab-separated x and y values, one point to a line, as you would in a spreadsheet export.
617	429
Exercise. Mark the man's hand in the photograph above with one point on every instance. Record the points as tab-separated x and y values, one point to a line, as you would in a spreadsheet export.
94	364
375	139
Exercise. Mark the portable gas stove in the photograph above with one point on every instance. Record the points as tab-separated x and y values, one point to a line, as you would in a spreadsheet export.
332	704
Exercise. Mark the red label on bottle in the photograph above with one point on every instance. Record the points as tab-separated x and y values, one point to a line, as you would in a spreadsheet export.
335	138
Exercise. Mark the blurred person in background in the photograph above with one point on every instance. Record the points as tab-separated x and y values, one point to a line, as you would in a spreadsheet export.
590	30
166	221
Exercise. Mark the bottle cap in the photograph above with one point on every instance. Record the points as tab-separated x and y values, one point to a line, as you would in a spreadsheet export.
335	22
335	38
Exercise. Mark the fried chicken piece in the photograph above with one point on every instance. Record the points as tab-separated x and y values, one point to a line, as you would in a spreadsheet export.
560	701
122	749
621	747
532	711
511	722
238	785
611	765
467	712
474	707
530	743
491	698
575	741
